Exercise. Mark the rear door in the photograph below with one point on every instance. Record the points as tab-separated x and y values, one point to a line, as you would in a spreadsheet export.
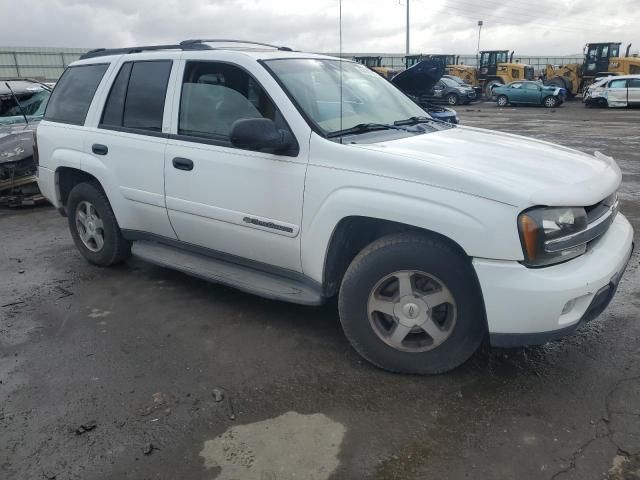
617	94
128	140
633	91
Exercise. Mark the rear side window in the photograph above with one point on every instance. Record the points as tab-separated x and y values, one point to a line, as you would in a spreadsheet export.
137	97
72	96
634	83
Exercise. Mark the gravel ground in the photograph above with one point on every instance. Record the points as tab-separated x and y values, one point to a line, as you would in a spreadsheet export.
139	372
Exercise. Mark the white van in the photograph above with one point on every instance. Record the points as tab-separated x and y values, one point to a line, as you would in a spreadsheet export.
614	91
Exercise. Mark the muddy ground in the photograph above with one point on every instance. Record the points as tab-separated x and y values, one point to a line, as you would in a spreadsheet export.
138	372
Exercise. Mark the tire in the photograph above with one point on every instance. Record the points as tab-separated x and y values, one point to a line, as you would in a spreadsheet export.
502	101
89	199
550	102
453	99
488	89
437	263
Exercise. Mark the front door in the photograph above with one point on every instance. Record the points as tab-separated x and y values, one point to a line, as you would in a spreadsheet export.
617	93
532	93
634	91
226	199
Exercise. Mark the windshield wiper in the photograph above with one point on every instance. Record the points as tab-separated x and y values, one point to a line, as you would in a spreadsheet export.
363	128
414	121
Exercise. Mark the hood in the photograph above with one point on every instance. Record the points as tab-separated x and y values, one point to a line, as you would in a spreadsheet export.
420	78
507	168
16	142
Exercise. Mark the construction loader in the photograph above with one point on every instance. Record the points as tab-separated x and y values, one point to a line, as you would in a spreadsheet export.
600	60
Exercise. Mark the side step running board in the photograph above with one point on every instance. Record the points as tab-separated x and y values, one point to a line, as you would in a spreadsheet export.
244	278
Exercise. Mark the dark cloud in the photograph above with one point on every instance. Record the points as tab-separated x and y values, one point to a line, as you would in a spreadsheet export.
552	27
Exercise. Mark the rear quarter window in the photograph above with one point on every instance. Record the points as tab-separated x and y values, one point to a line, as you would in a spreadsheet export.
72	95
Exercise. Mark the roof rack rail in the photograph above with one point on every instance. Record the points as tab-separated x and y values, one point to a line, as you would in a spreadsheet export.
103	52
223	40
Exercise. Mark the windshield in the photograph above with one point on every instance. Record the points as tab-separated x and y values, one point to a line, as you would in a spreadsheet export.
32	104
449	82
366	97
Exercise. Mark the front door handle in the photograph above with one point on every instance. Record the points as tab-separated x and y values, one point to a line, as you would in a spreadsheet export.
99	149
183	163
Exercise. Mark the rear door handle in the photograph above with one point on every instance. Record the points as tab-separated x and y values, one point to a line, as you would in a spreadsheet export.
182	163
99	149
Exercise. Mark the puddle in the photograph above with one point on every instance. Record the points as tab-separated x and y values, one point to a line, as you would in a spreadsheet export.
291	446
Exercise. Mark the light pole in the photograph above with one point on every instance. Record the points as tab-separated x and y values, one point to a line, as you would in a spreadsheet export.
480	23
407	27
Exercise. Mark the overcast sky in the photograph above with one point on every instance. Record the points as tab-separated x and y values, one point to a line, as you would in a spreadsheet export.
550	27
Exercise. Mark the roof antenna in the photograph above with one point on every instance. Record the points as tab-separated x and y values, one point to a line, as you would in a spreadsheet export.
340	48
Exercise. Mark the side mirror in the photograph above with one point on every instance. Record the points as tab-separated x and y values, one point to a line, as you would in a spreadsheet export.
260	134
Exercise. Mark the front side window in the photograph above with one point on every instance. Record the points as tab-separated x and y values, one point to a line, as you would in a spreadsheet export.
315	86
31	103
137	96
72	95
531	86
450	83
618	84
215	95
516	85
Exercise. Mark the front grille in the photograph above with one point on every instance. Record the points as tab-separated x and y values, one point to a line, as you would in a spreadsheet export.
594	212
599	216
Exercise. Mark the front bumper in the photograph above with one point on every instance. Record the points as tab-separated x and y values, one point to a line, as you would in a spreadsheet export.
527	306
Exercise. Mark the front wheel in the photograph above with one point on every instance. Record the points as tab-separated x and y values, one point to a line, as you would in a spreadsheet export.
503	101
410	303
453	99
93	226
550	102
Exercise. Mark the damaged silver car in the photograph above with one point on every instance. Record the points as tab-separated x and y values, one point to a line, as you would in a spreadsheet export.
22	105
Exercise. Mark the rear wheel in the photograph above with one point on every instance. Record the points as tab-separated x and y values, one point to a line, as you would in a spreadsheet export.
410	303
502	101
550	102
453	99
93	226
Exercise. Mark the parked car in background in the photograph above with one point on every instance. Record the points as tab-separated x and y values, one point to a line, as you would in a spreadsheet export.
305	178
462	83
22	105
618	91
528	93
417	81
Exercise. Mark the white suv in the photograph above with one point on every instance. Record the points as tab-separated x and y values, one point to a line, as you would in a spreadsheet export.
302	177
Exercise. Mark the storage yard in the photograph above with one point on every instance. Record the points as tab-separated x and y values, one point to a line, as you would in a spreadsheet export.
134	372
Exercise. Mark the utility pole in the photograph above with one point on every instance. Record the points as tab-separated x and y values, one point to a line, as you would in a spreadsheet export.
407	27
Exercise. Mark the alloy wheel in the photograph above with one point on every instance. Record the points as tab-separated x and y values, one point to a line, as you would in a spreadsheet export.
412	311
89	225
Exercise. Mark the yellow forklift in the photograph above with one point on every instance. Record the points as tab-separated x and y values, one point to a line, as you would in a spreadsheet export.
600	60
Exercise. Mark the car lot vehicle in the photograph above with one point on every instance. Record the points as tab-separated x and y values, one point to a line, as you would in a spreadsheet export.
417	83
303	177
528	93
22	104
461	82
423	83
615	91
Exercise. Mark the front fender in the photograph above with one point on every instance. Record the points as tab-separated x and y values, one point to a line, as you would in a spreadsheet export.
482	227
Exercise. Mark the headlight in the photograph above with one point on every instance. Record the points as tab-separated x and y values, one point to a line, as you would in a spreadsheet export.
542	231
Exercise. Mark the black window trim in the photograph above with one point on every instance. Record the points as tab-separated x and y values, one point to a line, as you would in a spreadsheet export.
136	131
294	151
81	124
